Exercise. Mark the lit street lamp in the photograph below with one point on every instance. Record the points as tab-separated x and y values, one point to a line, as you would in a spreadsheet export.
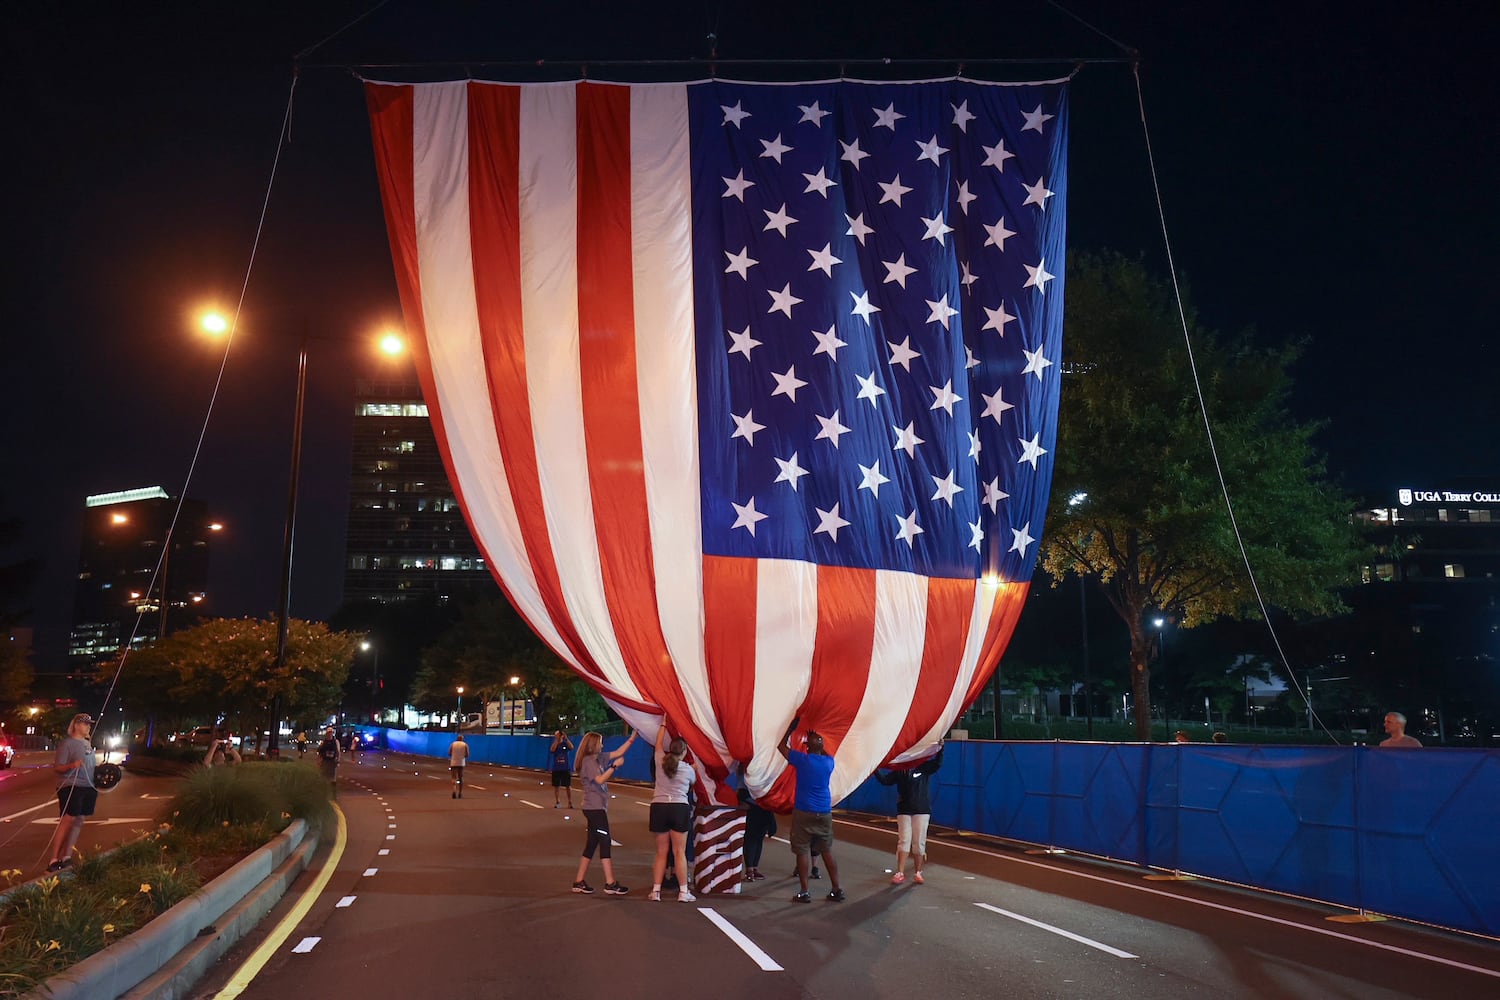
460	726
1083	610
369	647
514	681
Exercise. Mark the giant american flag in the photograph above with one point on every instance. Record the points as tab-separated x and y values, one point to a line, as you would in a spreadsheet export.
748	391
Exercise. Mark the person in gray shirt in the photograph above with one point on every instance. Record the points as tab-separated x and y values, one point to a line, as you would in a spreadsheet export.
595	768
76	795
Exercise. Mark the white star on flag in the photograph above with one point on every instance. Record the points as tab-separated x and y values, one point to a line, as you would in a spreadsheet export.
819	182
977	536
931	151
774	148
893	190
1022	538
969	277
998	234
941	311
993	494
740	263
964	197
778	220
828	343
812	113
1031	450
862	307
783	301
872	480
897	271
852	153
936	229
823	260
1037	276
888	117
735	115
902	354
997	318
975	446
946	488
1034	120
743	342
945	397
787	384
995	406
790	471
747	516
735	187
907	440
832	429
857	227
829	522
746	427
1037	194
962	116
1034	363
868	389
909	529
996	155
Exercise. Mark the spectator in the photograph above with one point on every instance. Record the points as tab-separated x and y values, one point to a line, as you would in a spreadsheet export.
812	810
561	776
595	768
458	758
328	760
1221	737
671	816
913	813
1181	736
220	753
759	824
76	795
1395	732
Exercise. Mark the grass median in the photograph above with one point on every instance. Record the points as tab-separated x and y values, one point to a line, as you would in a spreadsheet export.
216	817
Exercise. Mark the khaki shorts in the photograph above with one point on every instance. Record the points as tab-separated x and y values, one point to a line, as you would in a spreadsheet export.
811	831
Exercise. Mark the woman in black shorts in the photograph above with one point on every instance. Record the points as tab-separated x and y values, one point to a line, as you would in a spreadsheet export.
76	794
671	817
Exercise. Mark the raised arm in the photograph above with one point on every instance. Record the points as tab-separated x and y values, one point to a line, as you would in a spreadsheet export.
784	747
618	753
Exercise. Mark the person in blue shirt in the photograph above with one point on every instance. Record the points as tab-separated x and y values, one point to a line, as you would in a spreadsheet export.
812	810
562	772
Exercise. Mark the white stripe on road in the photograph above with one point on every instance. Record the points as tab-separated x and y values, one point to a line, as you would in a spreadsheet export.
390	836
370	871
390	826
477	788
346	901
23	812
749	947
531	804
306	945
1057	930
384	851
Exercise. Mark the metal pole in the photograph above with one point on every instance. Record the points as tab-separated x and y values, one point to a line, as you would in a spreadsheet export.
375	688
1088	696
166	562
273	750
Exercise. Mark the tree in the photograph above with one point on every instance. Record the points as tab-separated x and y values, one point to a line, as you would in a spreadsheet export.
16	673
224	668
489	644
1135	500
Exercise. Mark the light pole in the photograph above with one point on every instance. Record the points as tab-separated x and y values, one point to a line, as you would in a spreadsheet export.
369	647
391	344
1083	613
460	726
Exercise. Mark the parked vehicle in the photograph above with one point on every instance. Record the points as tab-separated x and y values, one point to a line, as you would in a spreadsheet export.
7	753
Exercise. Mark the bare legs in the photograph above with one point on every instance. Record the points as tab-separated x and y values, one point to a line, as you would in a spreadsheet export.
66	836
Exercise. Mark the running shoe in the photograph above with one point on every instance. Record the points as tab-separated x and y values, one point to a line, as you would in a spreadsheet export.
898	878
683	896
802	897
614	889
582	887
836	896
918	878
655	896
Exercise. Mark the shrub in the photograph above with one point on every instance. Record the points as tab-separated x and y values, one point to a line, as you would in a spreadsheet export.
249	794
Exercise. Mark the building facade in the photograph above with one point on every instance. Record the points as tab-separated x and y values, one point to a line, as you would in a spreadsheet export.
115	598
407	539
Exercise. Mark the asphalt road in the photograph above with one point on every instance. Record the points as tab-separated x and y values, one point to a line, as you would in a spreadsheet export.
436	896
28	812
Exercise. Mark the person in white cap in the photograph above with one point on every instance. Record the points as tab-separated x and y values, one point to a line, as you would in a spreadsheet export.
76	794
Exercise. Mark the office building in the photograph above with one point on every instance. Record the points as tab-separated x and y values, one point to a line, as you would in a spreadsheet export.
407	539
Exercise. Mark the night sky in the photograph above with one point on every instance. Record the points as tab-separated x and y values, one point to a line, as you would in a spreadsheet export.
1327	174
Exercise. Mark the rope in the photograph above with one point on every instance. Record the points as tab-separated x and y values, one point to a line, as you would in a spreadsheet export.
318	45
1203	409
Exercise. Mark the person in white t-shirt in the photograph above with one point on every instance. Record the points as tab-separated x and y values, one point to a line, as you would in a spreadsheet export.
671	816
458	758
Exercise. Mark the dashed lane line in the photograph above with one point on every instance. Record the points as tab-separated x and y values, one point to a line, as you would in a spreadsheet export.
1058	930
757	955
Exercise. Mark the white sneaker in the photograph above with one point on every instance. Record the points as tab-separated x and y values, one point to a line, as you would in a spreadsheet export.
655	896
683	896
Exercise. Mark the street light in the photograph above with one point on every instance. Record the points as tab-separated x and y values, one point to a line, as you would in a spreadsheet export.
460	726
514	681
215	324
1083	610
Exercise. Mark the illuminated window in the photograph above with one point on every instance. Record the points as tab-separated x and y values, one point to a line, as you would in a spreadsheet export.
1453	571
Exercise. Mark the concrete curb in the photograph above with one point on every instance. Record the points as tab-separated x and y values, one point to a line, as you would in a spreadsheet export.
157	946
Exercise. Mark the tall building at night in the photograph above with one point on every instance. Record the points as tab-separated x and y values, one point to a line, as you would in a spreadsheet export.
122	538
407	539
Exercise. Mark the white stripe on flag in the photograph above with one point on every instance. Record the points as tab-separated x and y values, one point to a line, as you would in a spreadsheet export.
979	624
786	620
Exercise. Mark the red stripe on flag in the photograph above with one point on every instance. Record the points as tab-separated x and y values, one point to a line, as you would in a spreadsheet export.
1009	599
842	648
950	608
729	614
611	405
495	231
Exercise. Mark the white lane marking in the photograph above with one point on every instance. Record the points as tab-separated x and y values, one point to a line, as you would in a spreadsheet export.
93	823
384	851
759	957
479	788
1057	930
23	812
346	901
390	836
390	826
370	871
306	945
531	804
1135	887
781	840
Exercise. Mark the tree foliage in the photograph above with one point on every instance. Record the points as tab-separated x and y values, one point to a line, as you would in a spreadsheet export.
16	577
489	644
226	668
1135	500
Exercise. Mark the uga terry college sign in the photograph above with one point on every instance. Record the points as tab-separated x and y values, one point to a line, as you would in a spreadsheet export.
1407	497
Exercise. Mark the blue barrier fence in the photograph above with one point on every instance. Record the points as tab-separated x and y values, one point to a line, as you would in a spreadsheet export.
1413	834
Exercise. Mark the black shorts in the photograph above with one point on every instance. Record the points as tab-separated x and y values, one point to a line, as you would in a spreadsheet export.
562	779
458	771
76	800
674	817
